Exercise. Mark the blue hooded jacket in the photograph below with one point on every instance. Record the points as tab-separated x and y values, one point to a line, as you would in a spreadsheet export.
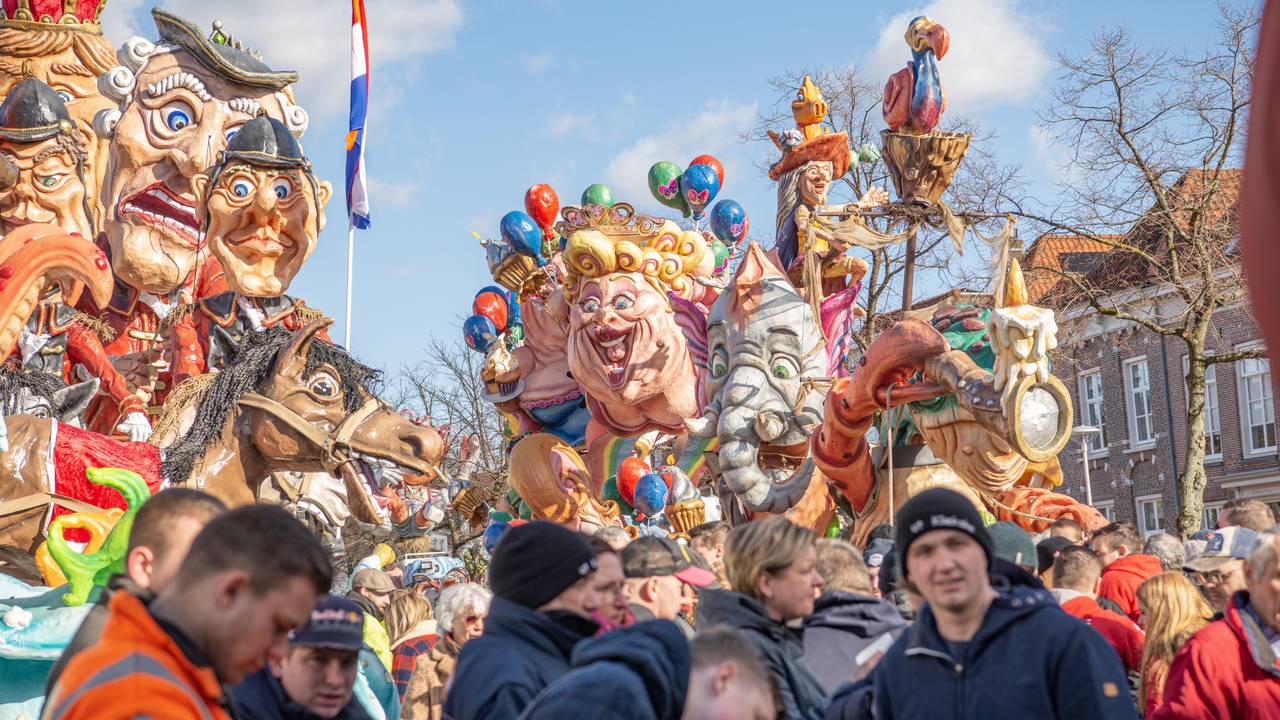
1029	659
521	652
634	673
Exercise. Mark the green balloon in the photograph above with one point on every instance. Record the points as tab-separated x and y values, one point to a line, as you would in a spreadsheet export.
833	527
721	252
598	194
664	185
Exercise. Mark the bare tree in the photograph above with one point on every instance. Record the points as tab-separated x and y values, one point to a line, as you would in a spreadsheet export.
854	107
1154	140
445	386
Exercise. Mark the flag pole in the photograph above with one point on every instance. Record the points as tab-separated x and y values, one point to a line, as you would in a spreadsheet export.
351	254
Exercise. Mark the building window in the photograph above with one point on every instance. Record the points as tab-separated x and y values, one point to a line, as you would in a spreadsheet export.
1257	409
1149	517
1209	518
1107	508
1137	388
1212	418
1091	410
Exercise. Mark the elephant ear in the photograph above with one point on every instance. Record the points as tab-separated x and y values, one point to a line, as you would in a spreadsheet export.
692	320
837	326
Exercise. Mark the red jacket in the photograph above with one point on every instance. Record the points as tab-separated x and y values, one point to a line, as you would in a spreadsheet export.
1120	581
1118	630
1227	670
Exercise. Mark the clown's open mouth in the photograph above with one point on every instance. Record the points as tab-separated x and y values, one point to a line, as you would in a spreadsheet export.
376	474
615	350
160	207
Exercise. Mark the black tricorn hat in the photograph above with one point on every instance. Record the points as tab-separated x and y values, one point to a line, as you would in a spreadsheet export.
227	60
33	111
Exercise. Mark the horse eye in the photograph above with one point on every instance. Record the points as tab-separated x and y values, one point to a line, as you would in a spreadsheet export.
324	386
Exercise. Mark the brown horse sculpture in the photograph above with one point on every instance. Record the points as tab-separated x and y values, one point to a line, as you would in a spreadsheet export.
288	401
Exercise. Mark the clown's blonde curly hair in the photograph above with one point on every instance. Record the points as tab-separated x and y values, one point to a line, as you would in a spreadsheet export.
665	256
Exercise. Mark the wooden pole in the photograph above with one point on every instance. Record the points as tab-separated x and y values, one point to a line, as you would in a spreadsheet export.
909	272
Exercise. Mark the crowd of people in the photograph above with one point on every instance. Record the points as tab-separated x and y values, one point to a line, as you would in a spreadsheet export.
938	616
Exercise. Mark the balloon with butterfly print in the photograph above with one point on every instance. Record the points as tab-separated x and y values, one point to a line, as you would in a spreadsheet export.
664	185
729	222
699	184
711	162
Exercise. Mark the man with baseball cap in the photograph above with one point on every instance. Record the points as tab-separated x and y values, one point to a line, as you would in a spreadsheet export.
316	676
1220	568
970	644
541	608
661	575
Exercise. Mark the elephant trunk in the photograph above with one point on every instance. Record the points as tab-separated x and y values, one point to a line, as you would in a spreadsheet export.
740	469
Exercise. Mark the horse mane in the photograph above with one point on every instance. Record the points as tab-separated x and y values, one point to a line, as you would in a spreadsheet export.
13	380
249	368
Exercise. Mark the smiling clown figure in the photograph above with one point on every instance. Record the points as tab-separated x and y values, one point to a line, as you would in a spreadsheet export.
262	210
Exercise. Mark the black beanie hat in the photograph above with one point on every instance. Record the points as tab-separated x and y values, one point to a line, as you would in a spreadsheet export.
537	561
938	509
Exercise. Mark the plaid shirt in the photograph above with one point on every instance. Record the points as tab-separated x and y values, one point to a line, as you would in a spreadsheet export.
405	658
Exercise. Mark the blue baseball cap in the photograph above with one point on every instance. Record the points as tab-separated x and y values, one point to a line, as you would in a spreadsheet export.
335	622
1224	545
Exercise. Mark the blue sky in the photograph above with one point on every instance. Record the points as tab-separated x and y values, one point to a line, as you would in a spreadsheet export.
474	102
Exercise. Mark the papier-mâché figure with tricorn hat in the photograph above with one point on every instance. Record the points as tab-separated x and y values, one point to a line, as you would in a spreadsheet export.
262	210
38	137
180	100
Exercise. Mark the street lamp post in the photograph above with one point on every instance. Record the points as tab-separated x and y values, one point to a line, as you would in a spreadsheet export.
1082	431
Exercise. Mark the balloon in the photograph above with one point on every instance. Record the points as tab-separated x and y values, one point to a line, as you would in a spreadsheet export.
494	307
729	221
711	162
479	332
542	204
493	534
699	185
598	194
868	153
651	494
492	289
720	251
664	184
523	235
629	473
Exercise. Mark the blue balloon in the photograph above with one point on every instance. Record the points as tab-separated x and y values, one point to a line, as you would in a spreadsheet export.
502	292
479	332
700	184
651	494
523	235
493	534
729	222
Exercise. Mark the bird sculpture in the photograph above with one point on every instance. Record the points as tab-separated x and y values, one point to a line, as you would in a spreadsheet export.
809	109
913	97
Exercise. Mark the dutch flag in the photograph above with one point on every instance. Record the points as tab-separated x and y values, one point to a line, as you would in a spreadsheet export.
357	199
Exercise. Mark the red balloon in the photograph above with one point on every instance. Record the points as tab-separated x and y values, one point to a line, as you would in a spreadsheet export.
541	203
711	162
493	306
629	473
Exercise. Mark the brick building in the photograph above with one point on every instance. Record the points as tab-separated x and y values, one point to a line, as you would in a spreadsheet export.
1130	382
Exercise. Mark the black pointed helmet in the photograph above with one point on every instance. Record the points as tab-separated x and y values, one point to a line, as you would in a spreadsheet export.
33	111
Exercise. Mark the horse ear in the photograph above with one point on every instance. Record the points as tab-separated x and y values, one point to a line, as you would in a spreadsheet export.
292	358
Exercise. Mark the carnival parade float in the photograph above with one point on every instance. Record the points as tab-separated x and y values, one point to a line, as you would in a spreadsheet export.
654	370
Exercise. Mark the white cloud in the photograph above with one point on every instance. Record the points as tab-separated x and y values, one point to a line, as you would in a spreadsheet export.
313	37
391	194
537	63
996	53
1052	156
568	123
714	129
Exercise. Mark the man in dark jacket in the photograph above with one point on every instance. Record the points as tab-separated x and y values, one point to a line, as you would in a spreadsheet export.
158	542
541	608
849	629
649	672
974	653
316	677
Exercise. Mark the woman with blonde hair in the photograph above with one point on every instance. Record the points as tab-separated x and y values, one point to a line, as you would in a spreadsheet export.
772	565
1172	611
412	630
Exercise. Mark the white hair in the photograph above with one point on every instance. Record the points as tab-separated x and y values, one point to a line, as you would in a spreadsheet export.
457	600
1262	559
121	85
